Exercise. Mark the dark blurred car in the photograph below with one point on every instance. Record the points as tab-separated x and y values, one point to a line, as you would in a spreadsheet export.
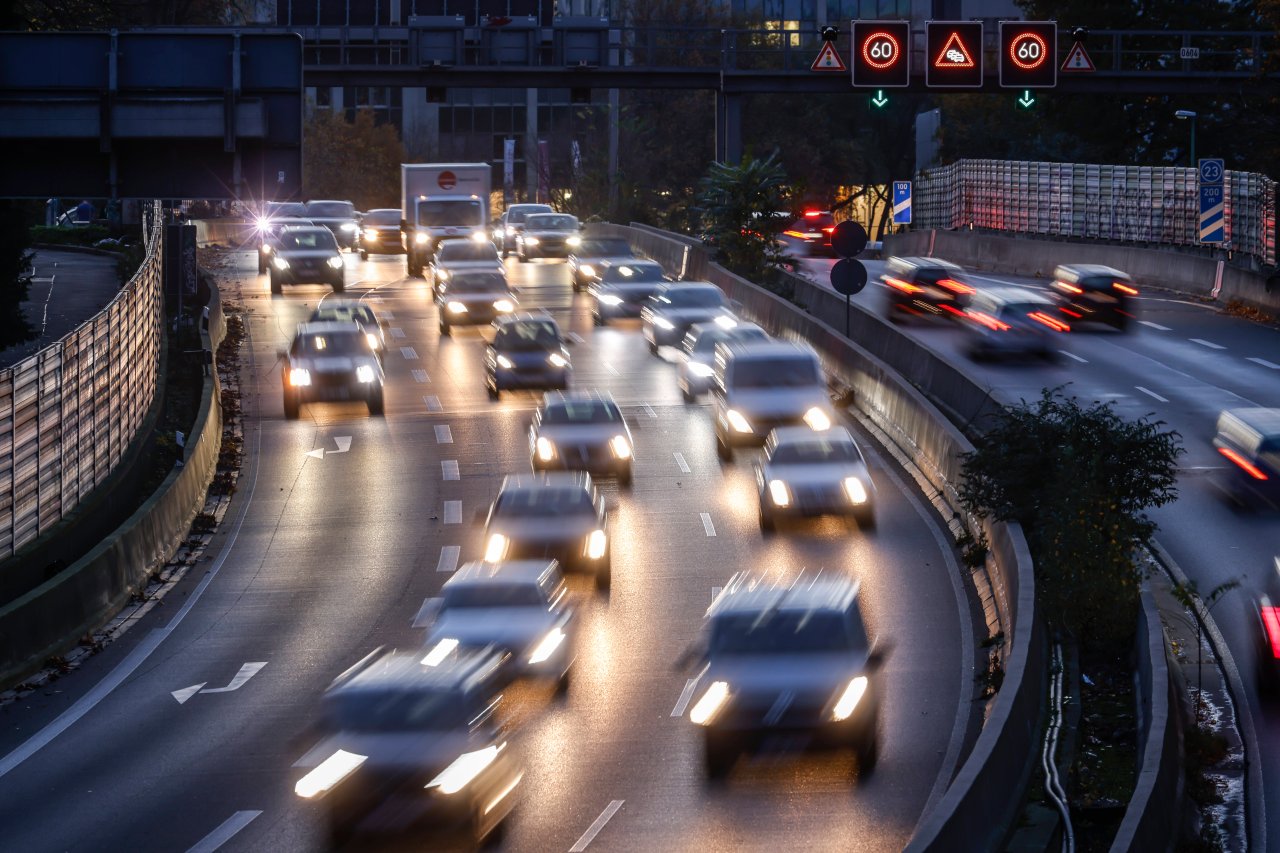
581	431
527	352
339	217
620	289
453	256
415	744
1092	293
331	362
676	306
474	298
306	254
548	235
813	231
380	233
1250	440
1012	321
925	287
511	224
559	515
354	311
269	228
787	661
585	257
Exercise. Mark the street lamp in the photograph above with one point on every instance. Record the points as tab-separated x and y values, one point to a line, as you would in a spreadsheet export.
1189	114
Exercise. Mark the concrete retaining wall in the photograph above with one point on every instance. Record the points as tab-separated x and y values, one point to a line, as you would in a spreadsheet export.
224	232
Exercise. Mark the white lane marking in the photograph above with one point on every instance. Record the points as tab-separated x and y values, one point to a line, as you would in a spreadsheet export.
706	523
449	468
575	337
448	558
409	353
397	332
1073	355
343	442
225	831
1209	344
138	656
453	512
1264	363
684	466
247	671
444	435
715	592
594	830
1155	326
1151	393
609	367
686	696
648	410
386	315
421	376
433	403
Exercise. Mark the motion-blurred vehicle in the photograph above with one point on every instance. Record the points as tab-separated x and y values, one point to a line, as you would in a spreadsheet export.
454	256
548	235
527	352
622	288
812	231
276	215
474	298
339	217
414	744
1266	611
441	202
762	385
806	474
354	311
1250	440
676	306
379	233
306	254
1012	321
331	362
559	515
787	660
1092	293
925	287
511	224
519	606
584	258
581	431
696	368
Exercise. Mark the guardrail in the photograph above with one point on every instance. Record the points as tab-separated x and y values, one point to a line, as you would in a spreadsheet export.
69	412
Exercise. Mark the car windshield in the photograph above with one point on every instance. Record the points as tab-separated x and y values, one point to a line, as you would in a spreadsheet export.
451	211
494	595
776	373
532	335
345	314
466	250
517	217
605	248
1096	282
277	209
547	502
781	632
382	217
481	282
309	239
692	297
390	710
338	344
332	209
815	451
626	273
551	222
582	412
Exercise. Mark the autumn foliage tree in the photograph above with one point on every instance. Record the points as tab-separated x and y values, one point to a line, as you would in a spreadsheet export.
351	159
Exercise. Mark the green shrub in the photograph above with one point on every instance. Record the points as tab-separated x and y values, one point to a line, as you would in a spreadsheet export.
82	235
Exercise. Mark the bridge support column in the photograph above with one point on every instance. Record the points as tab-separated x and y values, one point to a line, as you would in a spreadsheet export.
728	128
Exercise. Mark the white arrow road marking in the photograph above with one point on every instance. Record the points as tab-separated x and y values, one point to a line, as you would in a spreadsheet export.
343	442
225	832
187	692
594	830
318	453
247	671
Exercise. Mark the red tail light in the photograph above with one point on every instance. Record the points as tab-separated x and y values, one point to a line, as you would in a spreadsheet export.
1124	288
810	214
1070	288
953	309
904	286
828	229
954	286
1056	325
1071	313
1271	623
988	321
1249	468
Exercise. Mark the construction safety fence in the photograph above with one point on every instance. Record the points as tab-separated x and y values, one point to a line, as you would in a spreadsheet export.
1128	204
69	412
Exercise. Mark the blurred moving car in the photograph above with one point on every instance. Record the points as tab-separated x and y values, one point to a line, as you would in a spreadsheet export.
806	474
787	660
695	370
548	235
1012	321
559	515
306	254
1266	612
925	287
621	288
1092	293
812	231
331	362
527	352
453	256
268	228
519	606
379	233
511	224
584	257
339	217
1250	440
761	385
414	744
354	311
676	306
473	298
581	431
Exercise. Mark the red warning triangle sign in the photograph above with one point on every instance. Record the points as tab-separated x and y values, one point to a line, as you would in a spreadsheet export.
1078	59
954	54
828	59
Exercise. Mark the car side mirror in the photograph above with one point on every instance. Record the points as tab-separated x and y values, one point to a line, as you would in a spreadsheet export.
428	612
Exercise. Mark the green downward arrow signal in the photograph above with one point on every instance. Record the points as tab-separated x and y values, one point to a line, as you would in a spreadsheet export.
879	98
1027	99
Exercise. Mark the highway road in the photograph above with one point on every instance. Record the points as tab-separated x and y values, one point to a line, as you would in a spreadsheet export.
1183	363
187	732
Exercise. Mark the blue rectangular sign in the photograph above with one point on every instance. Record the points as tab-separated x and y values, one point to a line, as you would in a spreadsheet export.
901	202
1213	221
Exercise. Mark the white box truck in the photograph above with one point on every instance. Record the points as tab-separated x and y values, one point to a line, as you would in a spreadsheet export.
442	201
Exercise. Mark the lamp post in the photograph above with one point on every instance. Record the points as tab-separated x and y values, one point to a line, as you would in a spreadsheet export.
1191	116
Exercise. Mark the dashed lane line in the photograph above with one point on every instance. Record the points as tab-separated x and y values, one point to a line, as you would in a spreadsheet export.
592	831
1264	363
1204	343
706	523
449	469
409	353
453	512
681	463
444	435
448	558
225	831
1152	394
1073	355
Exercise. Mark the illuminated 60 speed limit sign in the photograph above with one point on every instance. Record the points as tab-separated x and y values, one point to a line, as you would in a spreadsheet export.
881	54
880	50
1028	54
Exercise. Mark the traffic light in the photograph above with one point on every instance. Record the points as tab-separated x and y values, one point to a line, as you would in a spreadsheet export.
882	54
953	54
1028	54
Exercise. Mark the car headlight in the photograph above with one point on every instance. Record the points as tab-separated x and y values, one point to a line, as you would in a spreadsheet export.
558	360
530	241
480	236
441	274
364	373
724	321
587	269
779	493
699	369
496	548
817	419
737	421
299	376
663	323
457	308
596	543
849	698
371	234
546	449
263	223
421	237
505	363
620	446
281	263
547	646
349	227
464	769
511	231
504	306
855	490
329	773
710	703
336	263
374	343
574	240
440	651
609	299
266	248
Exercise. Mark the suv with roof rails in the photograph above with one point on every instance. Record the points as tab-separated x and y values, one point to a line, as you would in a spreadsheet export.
759	385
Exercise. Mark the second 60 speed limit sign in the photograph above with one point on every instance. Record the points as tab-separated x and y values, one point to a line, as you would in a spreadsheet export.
881	54
1028	54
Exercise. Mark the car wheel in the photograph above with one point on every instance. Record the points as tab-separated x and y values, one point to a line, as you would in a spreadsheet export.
596	319
866	519
562	684
493	838
339	832
723	450
767	523
604	575
446	331
867	752
523	258
414	270
291	406
339	286
376	404
653	347
275	284
364	256
624	477
687	395
494	393
718	754
262	265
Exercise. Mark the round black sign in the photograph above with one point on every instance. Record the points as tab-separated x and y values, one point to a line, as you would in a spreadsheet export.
848	239
848	276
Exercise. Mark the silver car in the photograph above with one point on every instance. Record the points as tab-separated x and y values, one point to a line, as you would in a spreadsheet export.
585	258
454	256
583	431
762	385
474	298
806	474
354	311
512	223
339	217
520	606
558	515
675	307
548	235
696	368
306	254
331	362
622	288
1012	321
